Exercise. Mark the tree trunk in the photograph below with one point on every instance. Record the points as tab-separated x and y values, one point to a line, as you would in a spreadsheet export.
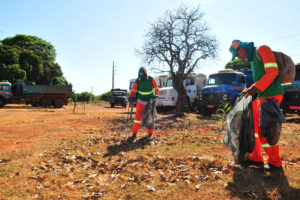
182	96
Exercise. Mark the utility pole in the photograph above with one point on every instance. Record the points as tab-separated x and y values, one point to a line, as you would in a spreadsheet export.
113	75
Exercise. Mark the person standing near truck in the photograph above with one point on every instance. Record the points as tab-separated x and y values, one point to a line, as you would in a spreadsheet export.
146	87
266	85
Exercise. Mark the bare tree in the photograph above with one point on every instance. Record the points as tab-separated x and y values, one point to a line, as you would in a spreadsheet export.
180	39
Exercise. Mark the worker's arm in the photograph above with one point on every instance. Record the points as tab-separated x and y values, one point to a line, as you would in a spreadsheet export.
134	89
154	84
271	68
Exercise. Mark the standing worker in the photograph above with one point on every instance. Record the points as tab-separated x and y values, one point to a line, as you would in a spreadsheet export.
146	88
267	86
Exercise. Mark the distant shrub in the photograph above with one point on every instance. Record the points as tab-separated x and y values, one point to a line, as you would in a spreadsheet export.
85	96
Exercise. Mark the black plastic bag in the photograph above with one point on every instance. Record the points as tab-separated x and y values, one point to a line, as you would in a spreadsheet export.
240	137
270	120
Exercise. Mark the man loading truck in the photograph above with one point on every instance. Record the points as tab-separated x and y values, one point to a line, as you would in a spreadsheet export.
146	87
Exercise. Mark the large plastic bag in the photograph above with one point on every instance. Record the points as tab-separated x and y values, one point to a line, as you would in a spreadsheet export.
149	114
270	120
239	137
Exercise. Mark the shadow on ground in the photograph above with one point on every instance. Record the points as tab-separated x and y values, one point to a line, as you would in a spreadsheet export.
126	146
258	183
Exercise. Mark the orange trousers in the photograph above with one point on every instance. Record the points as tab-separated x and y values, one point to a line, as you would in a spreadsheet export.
272	151
138	117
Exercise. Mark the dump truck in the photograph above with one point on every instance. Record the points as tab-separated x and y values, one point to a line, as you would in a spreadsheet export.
36	95
291	97
222	88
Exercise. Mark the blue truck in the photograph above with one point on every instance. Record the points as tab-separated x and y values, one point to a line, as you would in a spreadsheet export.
222	88
36	95
291	97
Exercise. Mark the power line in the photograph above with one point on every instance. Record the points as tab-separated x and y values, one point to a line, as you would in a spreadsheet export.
285	37
273	29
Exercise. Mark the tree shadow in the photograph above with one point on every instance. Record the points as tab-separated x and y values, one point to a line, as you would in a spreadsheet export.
259	183
126	146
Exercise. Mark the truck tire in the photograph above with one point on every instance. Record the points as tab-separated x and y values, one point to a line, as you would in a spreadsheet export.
58	103
46	103
188	105
1	103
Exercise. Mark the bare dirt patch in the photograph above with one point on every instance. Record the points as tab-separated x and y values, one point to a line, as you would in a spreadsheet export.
55	154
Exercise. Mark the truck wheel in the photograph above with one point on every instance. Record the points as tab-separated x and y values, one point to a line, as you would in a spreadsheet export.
58	103
188	105
46	103
1	104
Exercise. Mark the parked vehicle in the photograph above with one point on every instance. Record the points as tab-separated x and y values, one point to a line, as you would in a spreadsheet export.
36	95
167	97
118	98
222	88
291	98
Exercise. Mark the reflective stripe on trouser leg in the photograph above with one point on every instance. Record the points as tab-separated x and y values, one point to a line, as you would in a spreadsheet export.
272	151
138	117
273	154
256	155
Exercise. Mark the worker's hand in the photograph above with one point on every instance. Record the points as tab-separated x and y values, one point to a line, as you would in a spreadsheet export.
155	96
252	90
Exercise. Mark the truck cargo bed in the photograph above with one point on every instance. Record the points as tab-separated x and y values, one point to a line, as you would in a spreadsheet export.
47	89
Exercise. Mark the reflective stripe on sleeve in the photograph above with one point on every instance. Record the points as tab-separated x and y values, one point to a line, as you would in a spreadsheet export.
135	121
256	135
133	90
267	65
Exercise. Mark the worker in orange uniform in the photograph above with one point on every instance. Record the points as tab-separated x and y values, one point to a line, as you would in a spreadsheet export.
145	86
266	85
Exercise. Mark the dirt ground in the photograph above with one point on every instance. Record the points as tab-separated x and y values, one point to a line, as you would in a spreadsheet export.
58	154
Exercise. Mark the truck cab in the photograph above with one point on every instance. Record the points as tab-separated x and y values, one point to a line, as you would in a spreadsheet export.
291	97
118	98
167	97
5	92
222	88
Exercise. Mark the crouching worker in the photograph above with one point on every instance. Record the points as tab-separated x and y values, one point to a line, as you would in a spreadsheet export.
267	86
145	86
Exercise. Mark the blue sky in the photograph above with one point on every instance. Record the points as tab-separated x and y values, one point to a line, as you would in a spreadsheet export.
89	35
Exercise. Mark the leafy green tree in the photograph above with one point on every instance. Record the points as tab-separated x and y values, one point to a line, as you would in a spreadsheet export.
30	58
105	96
36	44
238	64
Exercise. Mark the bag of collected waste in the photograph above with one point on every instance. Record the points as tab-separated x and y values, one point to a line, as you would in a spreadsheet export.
270	120
149	113
239	137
